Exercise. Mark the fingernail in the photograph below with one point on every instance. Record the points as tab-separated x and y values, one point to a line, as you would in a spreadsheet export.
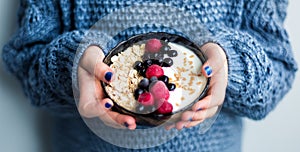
208	70
108	76
107	105
126	124
190	119
199	109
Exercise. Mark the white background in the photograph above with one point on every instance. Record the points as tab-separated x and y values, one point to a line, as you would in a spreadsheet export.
26	129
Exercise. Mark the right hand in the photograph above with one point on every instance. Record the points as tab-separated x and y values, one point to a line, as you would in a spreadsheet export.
92	102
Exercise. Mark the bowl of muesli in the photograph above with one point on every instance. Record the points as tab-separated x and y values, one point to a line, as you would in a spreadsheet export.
157	77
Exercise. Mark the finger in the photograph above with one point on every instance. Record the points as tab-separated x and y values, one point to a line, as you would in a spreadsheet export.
199	115
92	61
181	124
216	92
90	103
169	127
124	121
216	59
193	124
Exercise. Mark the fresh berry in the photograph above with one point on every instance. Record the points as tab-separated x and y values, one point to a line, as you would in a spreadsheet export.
158	61
148	63
159	91
153	45
138	65
164	79
140	108
146	99
154	70
165	108
147	56
153	79
171	86
165	48
144	83
137	93
172	53
157	56
142	72
167	62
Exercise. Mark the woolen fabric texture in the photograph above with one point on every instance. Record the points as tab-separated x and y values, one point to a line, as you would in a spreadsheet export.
260	63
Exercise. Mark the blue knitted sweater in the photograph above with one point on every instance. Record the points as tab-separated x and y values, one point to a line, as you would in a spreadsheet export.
261	64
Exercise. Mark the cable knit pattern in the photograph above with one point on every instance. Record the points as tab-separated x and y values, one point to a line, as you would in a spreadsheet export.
261	63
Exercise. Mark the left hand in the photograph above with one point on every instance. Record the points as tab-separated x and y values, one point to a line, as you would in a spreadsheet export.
215	67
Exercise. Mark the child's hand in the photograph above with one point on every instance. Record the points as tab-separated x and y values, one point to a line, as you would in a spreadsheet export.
216	67
92	103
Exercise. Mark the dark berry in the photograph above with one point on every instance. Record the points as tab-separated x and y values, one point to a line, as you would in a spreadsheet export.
148	63
158	61
165	48
167	62
147	56
140	108
172	53
171	86
138	65
150	109
157	56
137	93
144	83
164	79
142	72
153	79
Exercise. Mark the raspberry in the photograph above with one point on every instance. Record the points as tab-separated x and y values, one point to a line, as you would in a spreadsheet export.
160	91
153	45
146	99
165	108
154	70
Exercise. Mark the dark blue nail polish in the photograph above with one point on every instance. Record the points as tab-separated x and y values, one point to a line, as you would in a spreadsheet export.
126	124
208	70
108	76
107	105
191	119
199	109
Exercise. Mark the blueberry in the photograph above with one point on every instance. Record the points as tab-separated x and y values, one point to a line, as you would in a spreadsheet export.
140	108
144	83
147	56
138	65
142	72
137	93
148	63
150	109
159	61
165	48
152	79
172	53
157	56
164	79
167	62
171	86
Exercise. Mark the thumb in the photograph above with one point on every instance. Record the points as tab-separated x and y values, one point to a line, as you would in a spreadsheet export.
92	61
216	59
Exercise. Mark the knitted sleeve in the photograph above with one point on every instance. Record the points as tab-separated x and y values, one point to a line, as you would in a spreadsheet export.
261	63
41	56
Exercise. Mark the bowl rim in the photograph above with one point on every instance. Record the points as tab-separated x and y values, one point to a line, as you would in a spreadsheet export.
159	35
